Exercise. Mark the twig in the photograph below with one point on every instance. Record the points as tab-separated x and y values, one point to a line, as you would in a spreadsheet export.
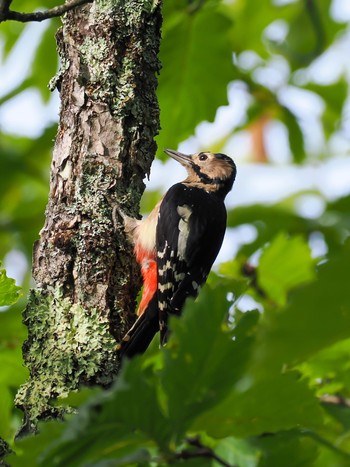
7	14
201	451
4	7
336	400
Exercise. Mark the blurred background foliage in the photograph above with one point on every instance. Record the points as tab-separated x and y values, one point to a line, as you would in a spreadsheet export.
270	79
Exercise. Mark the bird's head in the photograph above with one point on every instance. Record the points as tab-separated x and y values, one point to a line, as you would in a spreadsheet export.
212	172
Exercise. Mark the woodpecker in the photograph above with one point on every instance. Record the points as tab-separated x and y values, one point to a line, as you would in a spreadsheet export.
176	245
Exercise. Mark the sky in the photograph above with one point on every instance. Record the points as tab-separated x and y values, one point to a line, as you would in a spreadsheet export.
256	183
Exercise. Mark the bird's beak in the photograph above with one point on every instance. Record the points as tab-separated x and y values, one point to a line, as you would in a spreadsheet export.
184	159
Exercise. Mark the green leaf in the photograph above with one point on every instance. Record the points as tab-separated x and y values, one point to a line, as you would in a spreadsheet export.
287	448
137	383
23	189
238	452
310	32
138	457
263	406
250	19
149	200
329	369
13	373
28	82
30	449
285	264
197	67
334	224
341	413
9	291
12	330
202	362
305	40
10	32
200	461
317	316
295	135
116	423
78	398
6	406
334	96
96	445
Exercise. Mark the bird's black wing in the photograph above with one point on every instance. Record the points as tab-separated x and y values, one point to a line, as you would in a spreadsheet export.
140	335
190	230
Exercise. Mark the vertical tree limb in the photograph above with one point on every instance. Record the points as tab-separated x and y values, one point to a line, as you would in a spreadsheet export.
86	277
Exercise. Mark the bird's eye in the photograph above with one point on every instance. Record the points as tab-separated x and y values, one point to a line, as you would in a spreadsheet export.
203	157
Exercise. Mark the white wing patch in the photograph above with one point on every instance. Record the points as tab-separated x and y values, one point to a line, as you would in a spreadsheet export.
195	285
163	287
184	213
161	254
163	270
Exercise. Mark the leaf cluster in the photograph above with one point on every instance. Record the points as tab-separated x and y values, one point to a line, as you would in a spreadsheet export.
246	385
199	41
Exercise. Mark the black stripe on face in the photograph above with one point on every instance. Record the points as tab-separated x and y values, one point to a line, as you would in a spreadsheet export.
205	178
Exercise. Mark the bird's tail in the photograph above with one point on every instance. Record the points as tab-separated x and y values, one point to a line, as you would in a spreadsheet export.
140	335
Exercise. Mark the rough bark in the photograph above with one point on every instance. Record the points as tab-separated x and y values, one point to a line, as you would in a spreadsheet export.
4	451
86	277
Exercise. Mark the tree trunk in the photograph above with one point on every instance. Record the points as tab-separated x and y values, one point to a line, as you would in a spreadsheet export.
86	277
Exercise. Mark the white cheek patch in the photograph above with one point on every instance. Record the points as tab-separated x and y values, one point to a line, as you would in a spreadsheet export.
184	213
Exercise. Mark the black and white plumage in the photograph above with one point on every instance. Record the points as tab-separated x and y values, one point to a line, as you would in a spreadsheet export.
182	236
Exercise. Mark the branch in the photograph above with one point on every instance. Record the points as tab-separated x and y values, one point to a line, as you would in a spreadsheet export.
251	272
7	14
335	400
4	7
201	451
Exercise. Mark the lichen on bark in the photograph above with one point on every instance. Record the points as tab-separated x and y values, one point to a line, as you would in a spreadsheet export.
86	277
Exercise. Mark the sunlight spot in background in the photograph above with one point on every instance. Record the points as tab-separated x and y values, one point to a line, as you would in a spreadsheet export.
276	142
310	206
227	118
334	178
234	238
317	244
16	265
303	103
340	10
249	60
229	247
277	31
255	257
25	114
264	184
18	62
34	116
247	303
274	74
283	2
